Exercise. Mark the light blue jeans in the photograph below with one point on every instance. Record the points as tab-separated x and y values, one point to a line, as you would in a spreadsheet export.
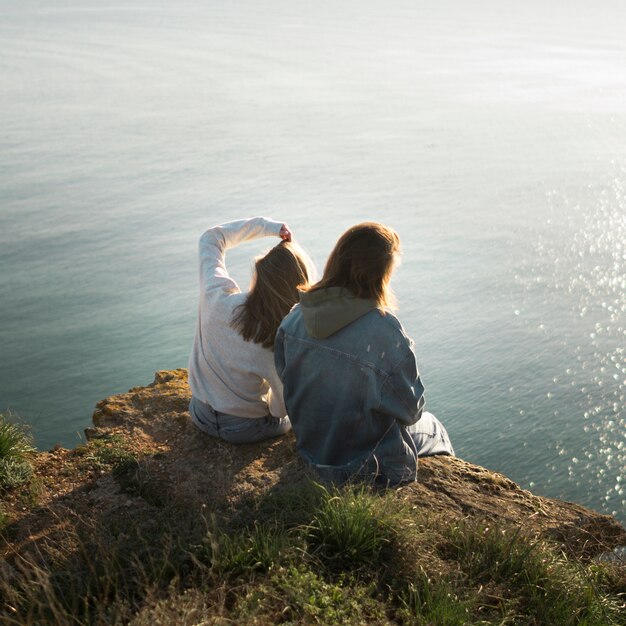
430	436
236	429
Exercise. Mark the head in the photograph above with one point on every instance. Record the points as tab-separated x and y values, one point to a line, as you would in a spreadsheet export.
362	262
277	277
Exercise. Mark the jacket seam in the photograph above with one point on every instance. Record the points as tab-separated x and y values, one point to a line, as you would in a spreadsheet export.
384	375
387	380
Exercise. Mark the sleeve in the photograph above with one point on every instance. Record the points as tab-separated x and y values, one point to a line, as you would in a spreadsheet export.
402	394
215	241
275	400
279	352
274	397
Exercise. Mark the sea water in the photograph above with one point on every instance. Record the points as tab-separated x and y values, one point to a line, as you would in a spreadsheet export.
491	135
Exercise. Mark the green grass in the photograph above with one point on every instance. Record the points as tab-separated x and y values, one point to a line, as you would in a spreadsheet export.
425	600
98	575
539	584
297	594
16	450
245	551
307	556
107	451
4	518
349	529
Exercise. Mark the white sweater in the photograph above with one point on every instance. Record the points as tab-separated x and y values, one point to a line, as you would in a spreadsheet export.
234	376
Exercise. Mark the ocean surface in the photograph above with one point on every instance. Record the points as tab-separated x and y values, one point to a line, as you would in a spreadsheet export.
491	135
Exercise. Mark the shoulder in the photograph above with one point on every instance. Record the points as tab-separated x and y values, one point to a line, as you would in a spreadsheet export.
387	338
292	319
386	323
222	303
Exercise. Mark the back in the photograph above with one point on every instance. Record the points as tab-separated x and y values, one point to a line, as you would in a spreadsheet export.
351	395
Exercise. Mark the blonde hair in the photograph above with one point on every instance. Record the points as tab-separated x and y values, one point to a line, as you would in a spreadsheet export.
277	277
362	262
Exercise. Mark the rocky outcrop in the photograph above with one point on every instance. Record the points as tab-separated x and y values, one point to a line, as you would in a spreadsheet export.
144	452
197	466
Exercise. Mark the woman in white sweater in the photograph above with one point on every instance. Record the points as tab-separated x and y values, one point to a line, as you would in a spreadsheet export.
236	393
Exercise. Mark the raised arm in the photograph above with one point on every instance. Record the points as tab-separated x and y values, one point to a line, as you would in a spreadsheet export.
215	241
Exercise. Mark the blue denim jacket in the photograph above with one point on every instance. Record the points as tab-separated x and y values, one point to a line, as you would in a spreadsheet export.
350	395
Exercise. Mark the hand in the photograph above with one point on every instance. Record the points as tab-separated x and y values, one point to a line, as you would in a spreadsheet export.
285	233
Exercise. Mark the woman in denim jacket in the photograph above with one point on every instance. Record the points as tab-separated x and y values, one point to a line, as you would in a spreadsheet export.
350	381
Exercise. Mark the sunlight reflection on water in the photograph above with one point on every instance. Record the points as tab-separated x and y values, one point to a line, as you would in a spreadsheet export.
493	138
586	271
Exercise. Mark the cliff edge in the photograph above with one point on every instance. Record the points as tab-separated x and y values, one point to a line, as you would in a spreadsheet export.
152	521
199	467
168	458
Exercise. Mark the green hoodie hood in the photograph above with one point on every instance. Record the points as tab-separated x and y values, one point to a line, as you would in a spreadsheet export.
328	310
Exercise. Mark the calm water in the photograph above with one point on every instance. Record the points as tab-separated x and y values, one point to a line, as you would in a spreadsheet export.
493	140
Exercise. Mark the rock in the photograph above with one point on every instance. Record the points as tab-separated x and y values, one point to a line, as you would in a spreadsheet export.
147	407
144	451
455	487
199	467
92	433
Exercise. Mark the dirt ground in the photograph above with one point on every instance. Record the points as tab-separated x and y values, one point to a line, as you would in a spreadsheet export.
148	431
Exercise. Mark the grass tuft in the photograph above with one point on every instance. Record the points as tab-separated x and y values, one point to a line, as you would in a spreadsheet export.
246	551
349	529
16	449
110	450
425	600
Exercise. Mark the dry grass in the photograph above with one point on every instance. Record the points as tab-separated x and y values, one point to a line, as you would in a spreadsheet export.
312	556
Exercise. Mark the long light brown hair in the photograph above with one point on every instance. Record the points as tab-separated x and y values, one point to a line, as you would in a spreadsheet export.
362	262
277	277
